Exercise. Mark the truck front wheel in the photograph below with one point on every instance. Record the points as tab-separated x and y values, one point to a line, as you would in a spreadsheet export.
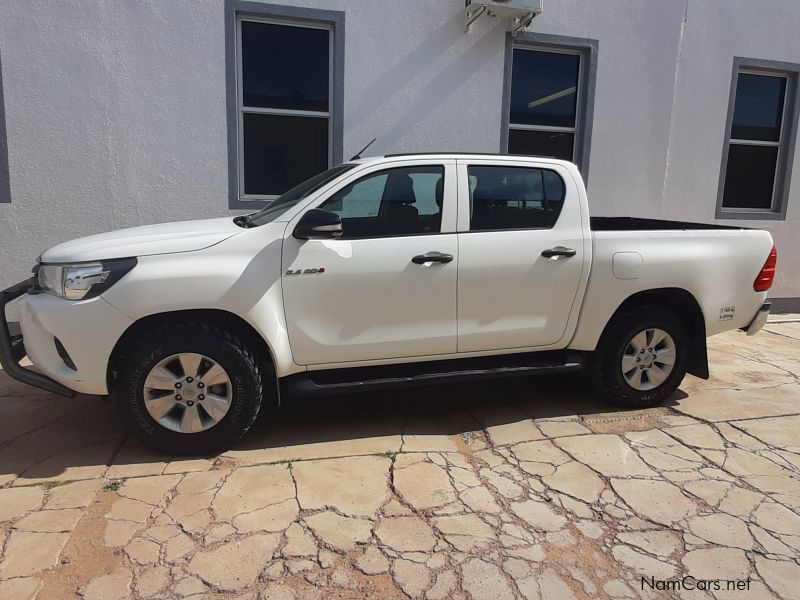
189	388
641	357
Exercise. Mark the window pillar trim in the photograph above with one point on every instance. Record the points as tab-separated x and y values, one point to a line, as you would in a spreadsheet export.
785	145
588	50
5	175
238	9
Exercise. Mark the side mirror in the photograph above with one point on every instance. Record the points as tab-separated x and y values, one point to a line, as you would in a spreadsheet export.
318	224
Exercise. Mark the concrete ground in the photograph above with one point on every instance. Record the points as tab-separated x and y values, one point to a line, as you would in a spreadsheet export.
525	488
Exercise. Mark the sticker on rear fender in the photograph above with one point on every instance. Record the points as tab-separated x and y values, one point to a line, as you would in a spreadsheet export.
726	313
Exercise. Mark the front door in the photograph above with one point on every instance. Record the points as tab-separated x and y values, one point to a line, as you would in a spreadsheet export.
369	295
509	294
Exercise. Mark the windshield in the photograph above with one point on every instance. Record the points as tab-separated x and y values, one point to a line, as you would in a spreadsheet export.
289	199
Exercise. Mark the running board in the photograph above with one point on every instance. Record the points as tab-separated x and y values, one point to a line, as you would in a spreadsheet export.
338	381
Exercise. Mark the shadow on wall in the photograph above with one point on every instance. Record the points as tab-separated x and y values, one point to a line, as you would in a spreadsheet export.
433	92
48	437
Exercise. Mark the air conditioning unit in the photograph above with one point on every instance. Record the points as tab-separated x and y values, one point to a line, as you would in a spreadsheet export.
521	12
510	8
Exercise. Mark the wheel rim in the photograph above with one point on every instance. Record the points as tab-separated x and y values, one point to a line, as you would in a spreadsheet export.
188	393
648	359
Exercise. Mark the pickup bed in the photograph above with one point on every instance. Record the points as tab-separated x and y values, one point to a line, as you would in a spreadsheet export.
395	270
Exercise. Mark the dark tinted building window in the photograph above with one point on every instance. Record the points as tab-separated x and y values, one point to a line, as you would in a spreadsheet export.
756	141
514	198
284	100
758	112
541	143
544	106
282	150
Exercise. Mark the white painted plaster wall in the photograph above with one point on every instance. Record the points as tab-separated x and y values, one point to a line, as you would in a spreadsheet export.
115	110
716	31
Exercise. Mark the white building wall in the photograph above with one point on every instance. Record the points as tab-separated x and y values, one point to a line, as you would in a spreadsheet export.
115	110
716	31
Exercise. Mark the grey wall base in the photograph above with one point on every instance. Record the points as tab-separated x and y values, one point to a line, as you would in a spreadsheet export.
784	305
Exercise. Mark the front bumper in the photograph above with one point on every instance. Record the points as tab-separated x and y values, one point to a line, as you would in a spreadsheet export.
12	349
85	332
759	320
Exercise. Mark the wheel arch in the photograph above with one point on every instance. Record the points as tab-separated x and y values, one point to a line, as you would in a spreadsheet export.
688	310
219	317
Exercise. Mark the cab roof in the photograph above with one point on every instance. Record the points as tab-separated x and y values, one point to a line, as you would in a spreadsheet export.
459	155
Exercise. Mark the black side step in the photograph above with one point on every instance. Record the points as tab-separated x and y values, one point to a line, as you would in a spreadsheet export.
337	381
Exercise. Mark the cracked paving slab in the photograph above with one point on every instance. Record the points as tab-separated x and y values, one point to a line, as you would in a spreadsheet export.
505	489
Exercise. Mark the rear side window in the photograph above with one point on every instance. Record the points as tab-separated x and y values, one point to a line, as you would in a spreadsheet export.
514	198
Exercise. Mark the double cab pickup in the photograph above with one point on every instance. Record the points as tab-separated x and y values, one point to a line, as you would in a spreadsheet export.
397	270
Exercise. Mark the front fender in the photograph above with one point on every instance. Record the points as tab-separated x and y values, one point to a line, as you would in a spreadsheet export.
240	276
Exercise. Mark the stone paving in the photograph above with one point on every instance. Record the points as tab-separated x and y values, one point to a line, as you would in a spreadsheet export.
503	489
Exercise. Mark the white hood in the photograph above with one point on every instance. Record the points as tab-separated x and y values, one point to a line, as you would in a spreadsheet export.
184	236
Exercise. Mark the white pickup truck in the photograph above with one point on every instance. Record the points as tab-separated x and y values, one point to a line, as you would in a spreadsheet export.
396	270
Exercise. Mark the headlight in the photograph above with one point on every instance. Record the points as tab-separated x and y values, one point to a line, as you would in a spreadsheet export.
84	280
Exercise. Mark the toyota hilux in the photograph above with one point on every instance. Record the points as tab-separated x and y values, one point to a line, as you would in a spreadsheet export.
385	271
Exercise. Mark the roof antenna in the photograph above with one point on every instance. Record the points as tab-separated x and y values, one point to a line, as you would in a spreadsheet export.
358	154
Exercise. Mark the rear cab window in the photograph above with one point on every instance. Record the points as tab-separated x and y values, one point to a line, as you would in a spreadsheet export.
514	197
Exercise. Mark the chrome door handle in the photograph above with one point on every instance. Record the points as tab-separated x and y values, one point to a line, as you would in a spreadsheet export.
421	259
559	251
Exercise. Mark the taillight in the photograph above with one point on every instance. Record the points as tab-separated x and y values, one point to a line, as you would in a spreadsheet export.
764	279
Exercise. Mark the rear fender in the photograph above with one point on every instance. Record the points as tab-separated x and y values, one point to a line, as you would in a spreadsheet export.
686	307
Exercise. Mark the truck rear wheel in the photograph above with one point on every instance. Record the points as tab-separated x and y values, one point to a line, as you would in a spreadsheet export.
641	357
189	388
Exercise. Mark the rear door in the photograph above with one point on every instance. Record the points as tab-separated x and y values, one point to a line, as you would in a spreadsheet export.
521	254
371	294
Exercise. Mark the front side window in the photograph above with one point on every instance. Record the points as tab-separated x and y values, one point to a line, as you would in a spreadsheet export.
514	198
756	143
543	115
404	201
284	91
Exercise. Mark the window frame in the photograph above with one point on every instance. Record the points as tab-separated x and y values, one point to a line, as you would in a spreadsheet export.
238	11
786	139
554	128
242	110
587	51
5	175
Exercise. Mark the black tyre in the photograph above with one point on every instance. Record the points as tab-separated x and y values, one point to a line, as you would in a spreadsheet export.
641	357
189	388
